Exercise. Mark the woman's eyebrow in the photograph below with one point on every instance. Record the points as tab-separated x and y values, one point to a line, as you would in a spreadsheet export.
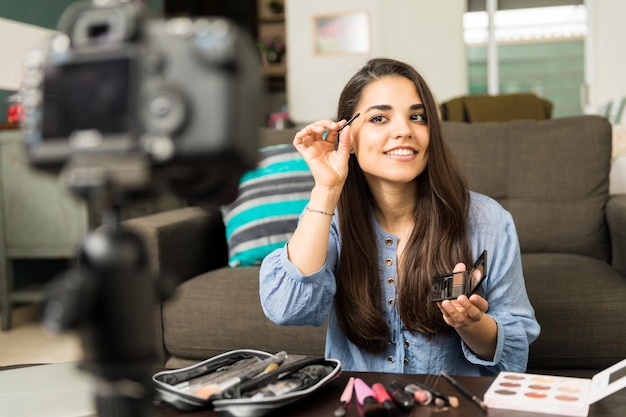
379	107
386	107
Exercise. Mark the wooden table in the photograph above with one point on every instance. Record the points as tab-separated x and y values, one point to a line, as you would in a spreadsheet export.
324	402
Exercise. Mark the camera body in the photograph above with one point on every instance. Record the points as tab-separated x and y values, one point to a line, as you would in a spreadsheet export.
119	98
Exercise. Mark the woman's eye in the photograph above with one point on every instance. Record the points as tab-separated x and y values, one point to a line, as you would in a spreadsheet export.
419	117
377	119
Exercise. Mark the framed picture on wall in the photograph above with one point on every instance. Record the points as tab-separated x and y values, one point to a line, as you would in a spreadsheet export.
342	33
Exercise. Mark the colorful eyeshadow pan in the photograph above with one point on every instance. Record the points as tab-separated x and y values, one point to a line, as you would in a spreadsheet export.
514	377
539	387
566	398
570	390
506	392
533	394
543	380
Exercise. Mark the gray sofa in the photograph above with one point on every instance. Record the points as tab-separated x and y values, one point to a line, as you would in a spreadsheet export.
551	175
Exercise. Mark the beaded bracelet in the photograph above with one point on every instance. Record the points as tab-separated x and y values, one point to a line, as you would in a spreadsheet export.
319	211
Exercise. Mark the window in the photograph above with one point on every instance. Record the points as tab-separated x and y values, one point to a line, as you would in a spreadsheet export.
539	50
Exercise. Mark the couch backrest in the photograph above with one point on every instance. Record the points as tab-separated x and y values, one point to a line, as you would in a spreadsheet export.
552	176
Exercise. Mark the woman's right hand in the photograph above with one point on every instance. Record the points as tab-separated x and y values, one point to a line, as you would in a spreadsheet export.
328	166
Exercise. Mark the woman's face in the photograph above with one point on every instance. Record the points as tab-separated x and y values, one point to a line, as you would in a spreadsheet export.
390	140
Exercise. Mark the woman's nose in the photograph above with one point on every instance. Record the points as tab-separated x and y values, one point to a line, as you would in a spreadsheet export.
401	129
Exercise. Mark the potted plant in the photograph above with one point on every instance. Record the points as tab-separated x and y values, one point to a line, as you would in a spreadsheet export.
276	6
273	47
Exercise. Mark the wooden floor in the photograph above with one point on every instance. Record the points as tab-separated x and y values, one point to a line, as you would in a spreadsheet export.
28	342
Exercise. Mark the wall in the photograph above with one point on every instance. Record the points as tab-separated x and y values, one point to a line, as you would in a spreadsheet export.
606	70
427	34
25	24
16	39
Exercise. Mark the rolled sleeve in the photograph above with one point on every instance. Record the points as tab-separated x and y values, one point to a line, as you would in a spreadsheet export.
292	299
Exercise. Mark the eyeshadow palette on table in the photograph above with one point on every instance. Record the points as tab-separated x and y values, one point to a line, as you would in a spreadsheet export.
555	395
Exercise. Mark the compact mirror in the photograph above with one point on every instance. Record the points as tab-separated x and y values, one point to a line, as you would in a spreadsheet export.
450	286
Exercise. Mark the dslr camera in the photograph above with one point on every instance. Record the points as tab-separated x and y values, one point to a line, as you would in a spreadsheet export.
121	106
120	99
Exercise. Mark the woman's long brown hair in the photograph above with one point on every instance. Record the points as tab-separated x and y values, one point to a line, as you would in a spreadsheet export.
438	240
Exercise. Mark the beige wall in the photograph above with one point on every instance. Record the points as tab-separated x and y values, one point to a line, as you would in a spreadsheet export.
425	33
606	67
15	40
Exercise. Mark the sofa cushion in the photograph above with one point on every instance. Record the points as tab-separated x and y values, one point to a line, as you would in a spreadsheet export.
221	310
270	200
552	176
579	303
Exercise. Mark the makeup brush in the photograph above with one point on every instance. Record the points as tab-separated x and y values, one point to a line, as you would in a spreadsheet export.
365	396
420	395
440	399
216	389
346	398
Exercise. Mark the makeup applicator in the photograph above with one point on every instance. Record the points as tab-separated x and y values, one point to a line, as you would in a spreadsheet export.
345	398
383	397
365	396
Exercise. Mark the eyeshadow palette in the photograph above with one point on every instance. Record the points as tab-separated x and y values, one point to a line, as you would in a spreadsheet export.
556	395
539	393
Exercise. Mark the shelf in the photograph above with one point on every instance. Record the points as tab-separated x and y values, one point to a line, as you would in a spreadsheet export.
264	12
272	25
279	18
275	70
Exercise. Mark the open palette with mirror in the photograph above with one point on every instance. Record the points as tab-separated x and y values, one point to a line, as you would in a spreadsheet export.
450	286
555	395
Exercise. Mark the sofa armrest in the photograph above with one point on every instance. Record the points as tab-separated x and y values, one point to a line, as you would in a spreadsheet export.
182	243
616	218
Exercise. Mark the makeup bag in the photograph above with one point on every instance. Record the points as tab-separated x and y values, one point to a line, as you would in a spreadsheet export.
244	382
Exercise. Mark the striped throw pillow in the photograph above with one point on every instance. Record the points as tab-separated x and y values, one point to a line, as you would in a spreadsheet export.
267	208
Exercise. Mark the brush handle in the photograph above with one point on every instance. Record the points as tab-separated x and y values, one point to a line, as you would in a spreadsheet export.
362	390
346	396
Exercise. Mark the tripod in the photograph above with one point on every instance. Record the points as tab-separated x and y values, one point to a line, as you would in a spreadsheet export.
110	298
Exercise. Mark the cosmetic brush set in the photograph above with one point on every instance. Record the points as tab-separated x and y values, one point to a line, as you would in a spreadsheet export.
244	383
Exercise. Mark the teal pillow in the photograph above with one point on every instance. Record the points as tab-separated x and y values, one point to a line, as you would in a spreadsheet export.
265	213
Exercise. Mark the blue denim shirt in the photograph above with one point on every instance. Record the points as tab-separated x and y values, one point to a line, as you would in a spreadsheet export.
290	298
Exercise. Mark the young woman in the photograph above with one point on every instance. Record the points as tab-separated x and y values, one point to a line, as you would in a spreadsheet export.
390	209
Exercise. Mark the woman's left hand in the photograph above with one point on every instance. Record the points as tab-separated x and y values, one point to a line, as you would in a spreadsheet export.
467	316
463	311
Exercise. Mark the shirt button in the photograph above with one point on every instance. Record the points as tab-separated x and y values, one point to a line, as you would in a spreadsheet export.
388	261
407	344
406	361
389	241
390	281
390	302
389	359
